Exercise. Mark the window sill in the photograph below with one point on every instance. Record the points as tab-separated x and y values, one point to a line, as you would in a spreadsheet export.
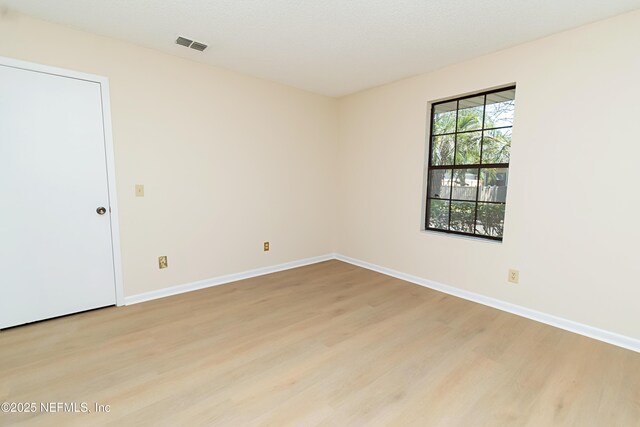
461	236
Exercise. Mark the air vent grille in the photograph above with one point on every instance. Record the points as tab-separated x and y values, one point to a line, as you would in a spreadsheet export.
198	46
183	41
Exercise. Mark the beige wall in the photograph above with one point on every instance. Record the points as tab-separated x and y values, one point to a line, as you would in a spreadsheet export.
573	206
227	160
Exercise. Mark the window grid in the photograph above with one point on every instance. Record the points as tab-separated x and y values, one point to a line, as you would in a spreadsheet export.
471	131
475	213
454	166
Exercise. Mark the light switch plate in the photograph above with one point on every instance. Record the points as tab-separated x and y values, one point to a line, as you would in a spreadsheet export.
139	190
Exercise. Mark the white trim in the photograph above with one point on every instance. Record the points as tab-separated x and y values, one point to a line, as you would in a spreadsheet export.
47	69
221	280
113	196
110	158
559	322
568	325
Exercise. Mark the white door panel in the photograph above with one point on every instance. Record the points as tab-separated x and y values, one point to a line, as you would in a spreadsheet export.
55	250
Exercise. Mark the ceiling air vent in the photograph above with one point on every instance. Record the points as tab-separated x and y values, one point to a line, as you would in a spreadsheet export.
198	46
182	41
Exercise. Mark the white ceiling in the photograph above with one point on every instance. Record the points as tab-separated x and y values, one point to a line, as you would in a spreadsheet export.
332	47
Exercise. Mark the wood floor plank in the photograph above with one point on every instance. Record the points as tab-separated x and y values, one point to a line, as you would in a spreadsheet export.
327	344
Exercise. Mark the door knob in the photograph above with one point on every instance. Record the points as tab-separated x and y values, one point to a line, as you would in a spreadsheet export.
101	210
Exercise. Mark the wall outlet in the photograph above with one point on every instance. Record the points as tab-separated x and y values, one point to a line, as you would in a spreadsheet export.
162	262
265	246
514	276
139	190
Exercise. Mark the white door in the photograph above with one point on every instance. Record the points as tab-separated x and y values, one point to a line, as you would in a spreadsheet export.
56	252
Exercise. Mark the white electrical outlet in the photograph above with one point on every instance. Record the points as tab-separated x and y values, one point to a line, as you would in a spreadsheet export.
514	276
163	262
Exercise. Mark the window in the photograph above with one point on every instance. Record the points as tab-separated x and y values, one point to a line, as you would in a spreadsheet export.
468	169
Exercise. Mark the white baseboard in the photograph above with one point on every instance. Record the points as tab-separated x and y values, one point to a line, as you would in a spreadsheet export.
569	325
221	280
559	322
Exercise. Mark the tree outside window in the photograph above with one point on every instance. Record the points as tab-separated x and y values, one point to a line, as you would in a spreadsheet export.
468	169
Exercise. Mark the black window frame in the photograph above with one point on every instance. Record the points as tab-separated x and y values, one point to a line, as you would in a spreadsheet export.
453	166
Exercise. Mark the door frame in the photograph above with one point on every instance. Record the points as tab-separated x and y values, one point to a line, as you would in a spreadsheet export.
109	154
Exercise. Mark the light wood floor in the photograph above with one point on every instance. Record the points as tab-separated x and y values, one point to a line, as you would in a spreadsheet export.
329	344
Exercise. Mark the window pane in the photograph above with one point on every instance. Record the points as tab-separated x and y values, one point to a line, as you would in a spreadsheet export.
490	219
470	140
438	214
493	184
443	147
444	118
440	183
496	146
470	113
468	148
462	216
499	110
465	184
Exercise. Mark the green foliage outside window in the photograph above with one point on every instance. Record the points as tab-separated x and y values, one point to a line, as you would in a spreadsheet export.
470	148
